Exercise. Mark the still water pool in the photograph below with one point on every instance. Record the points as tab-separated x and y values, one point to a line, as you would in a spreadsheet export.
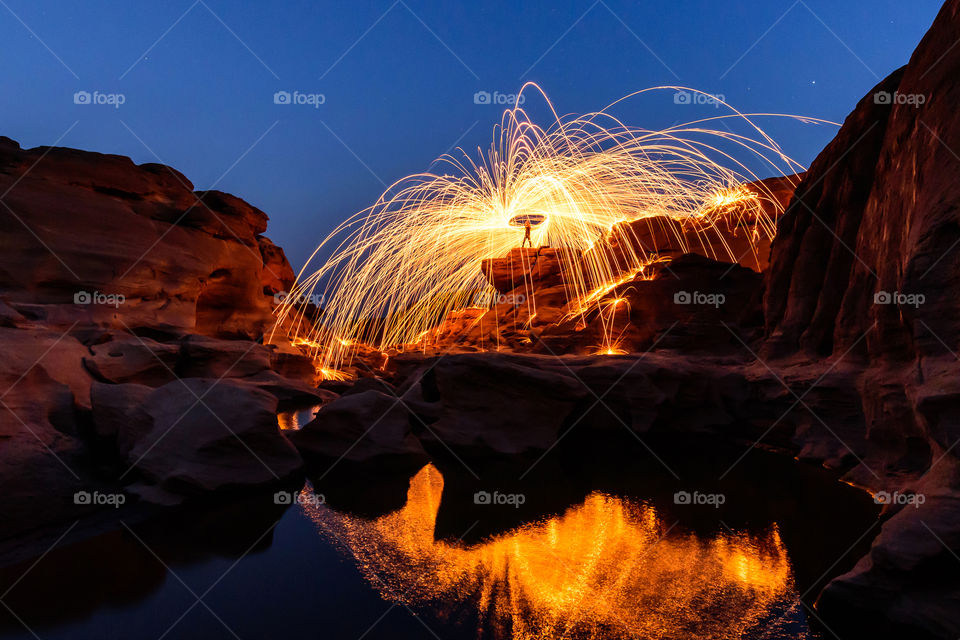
629	545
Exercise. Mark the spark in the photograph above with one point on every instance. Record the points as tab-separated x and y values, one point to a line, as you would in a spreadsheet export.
391	274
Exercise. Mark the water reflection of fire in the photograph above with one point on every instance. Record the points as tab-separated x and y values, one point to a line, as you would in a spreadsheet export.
607	568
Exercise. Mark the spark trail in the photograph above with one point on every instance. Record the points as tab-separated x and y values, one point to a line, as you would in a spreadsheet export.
393	272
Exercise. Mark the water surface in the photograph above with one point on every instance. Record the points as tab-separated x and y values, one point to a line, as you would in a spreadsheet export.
598	550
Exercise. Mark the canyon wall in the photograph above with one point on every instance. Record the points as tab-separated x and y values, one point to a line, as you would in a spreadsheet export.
865	271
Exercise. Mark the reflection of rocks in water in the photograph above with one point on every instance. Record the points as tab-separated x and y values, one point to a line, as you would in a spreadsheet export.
74	581
606	568
360	491
125	566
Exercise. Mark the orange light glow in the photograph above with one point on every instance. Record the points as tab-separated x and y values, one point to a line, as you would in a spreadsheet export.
398	269
607	568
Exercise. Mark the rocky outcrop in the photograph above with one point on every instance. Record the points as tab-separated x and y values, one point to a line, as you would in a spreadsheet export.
123	357
854	320
731	232
277	275
489	405
125	297
369	426
201	435
42	457
95	239
526	269
499	404
717	256
908	578
203	356
813	252
692	303
118	413
864	271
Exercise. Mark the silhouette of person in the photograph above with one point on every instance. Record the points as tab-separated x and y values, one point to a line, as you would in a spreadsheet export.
526	234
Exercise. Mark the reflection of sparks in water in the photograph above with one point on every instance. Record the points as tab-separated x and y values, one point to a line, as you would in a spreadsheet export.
607	568
296	419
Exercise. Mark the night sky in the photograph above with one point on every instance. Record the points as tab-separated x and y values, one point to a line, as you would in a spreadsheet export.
398	80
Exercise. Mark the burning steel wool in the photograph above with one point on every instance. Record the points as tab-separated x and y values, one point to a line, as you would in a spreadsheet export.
395	271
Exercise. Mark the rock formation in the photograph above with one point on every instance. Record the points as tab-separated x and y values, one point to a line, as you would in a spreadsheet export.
125	295
131	246
882	206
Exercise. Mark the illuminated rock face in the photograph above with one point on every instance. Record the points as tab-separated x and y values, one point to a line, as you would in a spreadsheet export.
720	256
608	568
685	302
526	269
735	237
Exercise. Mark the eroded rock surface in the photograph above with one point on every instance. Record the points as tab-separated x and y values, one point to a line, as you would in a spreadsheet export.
864	270
87	227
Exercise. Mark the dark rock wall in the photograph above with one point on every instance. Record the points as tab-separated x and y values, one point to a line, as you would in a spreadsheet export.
865	271
878	213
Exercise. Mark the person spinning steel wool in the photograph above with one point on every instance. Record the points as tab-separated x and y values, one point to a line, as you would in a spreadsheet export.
526	234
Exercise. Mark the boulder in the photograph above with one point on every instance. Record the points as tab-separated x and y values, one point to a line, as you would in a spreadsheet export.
118	413
290	393
684	306
202	356
502	404
207	435
130	358
527	267
56	353
41	456
291	363
366	427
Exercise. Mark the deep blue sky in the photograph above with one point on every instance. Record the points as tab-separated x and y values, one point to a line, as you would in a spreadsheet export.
403	94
